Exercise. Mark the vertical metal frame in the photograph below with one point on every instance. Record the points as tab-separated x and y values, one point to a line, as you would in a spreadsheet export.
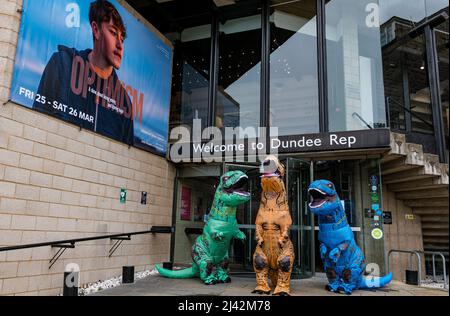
265	65
174	217
406	96
436	105
213	69
322	66
313	225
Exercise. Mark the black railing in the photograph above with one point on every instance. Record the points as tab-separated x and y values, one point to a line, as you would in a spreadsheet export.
362	120
401	106
70	243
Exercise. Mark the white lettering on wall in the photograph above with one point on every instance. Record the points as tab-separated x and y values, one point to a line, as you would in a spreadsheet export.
373	18
73	18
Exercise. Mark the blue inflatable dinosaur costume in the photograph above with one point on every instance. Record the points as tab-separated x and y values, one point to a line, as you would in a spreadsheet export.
343	260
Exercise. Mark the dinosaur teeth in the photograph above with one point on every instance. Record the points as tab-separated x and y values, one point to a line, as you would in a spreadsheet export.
316	206
318	198
242	193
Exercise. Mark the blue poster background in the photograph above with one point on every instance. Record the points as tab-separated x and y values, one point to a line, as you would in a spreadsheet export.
146	64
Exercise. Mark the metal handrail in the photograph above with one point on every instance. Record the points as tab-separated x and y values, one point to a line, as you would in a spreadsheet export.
154	229
388	99
411	252
362	120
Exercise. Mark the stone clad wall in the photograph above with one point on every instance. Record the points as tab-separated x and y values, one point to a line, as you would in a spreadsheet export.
402	234
57	182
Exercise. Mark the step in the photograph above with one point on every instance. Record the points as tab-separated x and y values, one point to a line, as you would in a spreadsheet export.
430	218
415	155
435	182
428	257
398	145
435	225
435	232
397	165
407	176
423	194
435	240
424	207
435	247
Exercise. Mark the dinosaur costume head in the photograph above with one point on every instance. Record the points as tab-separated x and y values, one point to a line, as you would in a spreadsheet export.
232	188
324	198
272	171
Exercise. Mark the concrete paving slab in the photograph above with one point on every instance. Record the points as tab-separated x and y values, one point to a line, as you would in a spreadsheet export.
242	286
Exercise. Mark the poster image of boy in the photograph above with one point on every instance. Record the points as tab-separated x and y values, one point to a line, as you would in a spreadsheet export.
82	87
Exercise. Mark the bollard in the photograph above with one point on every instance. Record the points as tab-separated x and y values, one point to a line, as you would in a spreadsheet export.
71	283
127	274
412	277
168	265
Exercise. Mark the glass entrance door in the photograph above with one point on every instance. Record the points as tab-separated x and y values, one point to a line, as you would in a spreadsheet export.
296	181
298	177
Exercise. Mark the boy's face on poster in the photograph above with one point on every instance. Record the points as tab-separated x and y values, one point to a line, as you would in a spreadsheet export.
109	42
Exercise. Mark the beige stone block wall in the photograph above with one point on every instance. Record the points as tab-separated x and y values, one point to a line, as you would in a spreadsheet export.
402	234
57	182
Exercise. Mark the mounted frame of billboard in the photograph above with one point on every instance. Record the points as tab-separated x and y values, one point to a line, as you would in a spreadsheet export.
96	65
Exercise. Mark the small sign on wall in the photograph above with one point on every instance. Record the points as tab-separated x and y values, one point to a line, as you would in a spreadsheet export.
387	218
123	195
143	198
410	217
185	210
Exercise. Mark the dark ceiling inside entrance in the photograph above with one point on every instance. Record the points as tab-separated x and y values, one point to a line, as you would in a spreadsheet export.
175	15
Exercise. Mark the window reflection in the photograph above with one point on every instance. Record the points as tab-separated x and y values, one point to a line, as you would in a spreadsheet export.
238	92
354	65
293	68
191	77
409	10
442	45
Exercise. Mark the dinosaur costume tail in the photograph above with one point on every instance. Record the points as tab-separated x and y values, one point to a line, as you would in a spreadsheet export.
177	274
375	282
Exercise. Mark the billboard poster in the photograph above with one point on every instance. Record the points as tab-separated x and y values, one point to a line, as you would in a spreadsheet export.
93	64
185	210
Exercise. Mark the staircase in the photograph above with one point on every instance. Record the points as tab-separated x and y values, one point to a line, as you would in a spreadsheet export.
421	182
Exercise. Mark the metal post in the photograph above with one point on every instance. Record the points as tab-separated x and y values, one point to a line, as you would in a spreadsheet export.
213	70
71	283
127	274
322	66
436	105
443	266
434	268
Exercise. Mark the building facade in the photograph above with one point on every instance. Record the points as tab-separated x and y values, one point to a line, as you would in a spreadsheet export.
353	91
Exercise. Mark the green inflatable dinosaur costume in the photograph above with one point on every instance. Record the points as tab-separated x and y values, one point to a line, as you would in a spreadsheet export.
210	250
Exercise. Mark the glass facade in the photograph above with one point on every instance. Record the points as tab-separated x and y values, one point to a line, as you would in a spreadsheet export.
354	66
284	88
415	65
442	40
190	81
294	100
239	73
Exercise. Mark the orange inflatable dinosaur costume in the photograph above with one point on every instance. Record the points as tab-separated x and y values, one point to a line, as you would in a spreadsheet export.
274	254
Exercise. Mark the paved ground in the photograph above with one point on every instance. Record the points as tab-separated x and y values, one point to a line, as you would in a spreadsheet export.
240	286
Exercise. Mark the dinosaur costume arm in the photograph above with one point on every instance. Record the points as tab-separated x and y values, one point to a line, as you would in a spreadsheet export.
239	235
285	225
259	229
336	252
